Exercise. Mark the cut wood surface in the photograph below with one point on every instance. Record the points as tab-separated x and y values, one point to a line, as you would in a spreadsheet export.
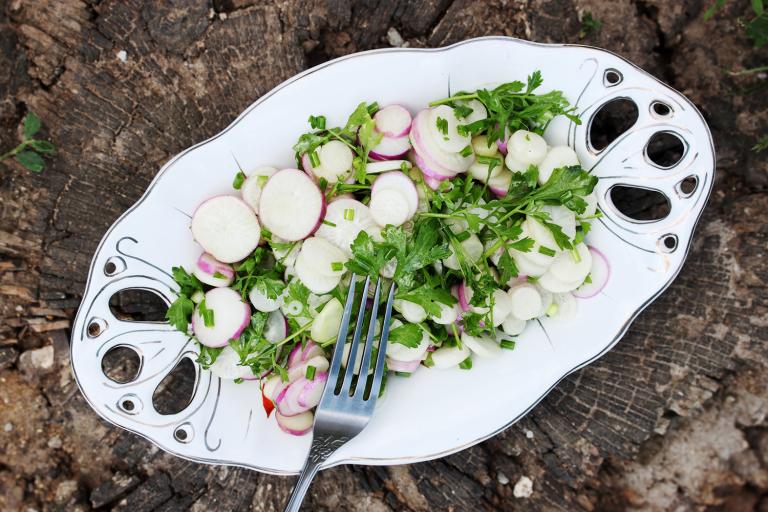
674	417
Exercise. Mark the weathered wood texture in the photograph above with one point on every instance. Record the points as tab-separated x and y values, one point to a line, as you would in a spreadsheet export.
674	416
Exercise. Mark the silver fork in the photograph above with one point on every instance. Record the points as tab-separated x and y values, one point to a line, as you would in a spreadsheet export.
342	415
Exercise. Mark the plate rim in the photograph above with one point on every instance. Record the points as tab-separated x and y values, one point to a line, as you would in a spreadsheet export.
422	458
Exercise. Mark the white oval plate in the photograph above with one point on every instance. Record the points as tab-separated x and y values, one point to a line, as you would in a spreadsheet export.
225	422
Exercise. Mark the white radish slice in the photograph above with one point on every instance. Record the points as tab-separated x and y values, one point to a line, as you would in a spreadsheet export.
555	285
481	148
527	147
478	111
298	371
309	275
480	345
400	352
449	140
513	326
388	165
567	307
480	171
226	227
212	272
546	300
526	301
525	266
276	328
291	206
287	401
514	164
502	306
322	257
345	219
411	311
591	200
499	184
403	366
358	357
472	249
448	357
296	425
558	156
599	275
568	268
327	322
230	316
294	357
198	297
389	206
227	366
426	146
262	302
563	217
272	387
543	237
390	148
251	188
335	160
448	314
286	254
393	121
398	181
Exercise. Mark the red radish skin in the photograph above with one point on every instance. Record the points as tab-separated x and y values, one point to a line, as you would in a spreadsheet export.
431	169
297	425
401	366
453	163
312	390
311	350
294	357
284	407
207	267
428	159
589	290
390	148
461	291
397	117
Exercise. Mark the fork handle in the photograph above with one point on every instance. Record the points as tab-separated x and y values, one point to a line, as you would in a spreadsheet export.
322	448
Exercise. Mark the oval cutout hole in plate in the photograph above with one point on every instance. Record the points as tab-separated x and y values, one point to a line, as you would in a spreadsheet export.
665	149
661	109
688	186
121	364
640	204
175	391
612	77
138	305
610	121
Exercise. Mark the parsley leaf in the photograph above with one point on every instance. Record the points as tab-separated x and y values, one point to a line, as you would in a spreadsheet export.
407	334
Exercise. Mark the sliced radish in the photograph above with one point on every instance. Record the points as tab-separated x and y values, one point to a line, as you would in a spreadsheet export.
292	206
599	274
287	401
226	227
570	268
527	147
481	148
525	265
276	328
427	148
230	316
251	188
499	184
401	183
563	217
399	352
393	121
262	302
480	345
345	219
411	311
448	357
389	207
323	257
448	314
478	111
526	301
558	156
312	279
543	237
285	254
390	148
326	324
273	386
546	300
514	164
443	125
300	369
212	272
335	162
227	366
403	366
555	285
480	171
389	165
471	248
460	292
312	350
591	200
567	307
297	425
513	326
294	358
502	306
358	357
313	390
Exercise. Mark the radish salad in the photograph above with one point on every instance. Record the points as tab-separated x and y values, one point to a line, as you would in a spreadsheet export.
478	222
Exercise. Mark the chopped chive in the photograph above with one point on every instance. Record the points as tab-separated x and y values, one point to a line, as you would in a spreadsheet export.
323	184
262	180
317	122
546	251
219	275
466	364
464	235
442	125
314	159
588	279
403	374
372	108
575	255
532	280
206	313
311	372
349	214
238	181
337	266
466	151
329	223
507	344
239	380
552	309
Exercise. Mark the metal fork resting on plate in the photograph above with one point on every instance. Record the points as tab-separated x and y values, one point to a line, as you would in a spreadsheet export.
343	412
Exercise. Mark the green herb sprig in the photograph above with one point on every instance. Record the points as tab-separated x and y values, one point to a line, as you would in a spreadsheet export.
29	153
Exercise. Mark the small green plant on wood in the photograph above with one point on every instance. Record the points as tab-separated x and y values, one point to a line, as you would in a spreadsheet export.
589	25
30	151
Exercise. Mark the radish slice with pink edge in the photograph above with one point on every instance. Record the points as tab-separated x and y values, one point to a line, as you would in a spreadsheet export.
272	386
226	227
300	369
431	168
230	317
389	165
448	357
411	311
292	207
227	366
448	314
296	425
567	307
499	184
313	280
502	306
558	156
390	148
403	366
276	328
569	268
323	257
346	218
480	171
480	345
250	190
287	401
481	148
311	389
555	285
424	144
335	162
444	129
311	350
526	301
212	272
401	352
393	121
389	207
400	182
599	274
478	113
294	358
262	302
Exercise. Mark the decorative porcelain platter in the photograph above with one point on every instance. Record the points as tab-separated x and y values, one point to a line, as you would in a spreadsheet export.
225	424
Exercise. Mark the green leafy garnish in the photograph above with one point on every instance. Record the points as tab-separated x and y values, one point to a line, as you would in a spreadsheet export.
237	183
408	335
29	153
